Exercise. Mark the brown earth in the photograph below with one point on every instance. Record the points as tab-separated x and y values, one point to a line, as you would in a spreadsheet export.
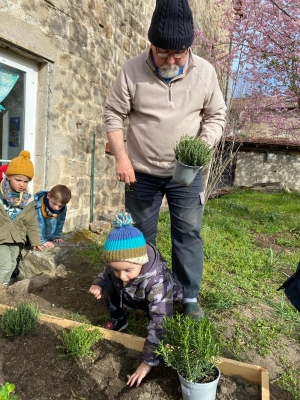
34	364
40	372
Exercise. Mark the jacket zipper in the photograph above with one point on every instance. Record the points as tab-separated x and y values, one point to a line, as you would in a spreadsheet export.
121	298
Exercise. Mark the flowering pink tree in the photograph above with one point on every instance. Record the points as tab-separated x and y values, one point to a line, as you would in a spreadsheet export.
271	49
258	56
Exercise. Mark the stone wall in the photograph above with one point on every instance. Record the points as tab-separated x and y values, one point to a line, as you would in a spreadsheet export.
79	46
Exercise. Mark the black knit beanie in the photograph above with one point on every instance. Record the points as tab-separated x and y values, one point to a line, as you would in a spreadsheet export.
172	26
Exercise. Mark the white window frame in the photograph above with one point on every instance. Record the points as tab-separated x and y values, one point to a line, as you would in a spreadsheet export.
30	96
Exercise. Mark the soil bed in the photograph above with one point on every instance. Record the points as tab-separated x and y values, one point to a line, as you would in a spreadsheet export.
35	366
40	372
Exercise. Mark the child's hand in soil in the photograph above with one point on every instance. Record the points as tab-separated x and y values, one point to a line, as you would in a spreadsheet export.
96	291
58	240
38	248
48	244
142	370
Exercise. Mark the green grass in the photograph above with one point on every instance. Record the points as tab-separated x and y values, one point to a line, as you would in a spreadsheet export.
249	239
73	316
164	236
92	255
289	380
137	322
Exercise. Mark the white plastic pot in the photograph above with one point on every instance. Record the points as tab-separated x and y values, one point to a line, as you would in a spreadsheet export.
199	391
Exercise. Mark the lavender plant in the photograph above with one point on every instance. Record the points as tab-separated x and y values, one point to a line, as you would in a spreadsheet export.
20	320
78	342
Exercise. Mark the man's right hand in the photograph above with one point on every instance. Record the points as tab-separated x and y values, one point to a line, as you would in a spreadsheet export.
125	171
124	168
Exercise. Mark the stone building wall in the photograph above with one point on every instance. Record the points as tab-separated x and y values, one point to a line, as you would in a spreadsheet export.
268	166
79	46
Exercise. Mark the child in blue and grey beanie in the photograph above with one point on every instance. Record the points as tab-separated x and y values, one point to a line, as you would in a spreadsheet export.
136	276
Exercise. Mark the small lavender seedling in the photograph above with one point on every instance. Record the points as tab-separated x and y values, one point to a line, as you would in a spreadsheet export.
20	320
78	342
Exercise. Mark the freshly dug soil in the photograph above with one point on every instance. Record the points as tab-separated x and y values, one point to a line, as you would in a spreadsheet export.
34	365
40	371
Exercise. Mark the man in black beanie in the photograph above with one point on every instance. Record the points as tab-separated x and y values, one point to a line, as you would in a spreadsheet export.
166	92
172	25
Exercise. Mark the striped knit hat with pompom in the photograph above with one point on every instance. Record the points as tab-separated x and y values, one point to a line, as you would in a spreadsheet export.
125	242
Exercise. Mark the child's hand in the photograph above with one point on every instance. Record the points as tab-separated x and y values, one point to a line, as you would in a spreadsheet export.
48	244
58	240
38	248
142	370
96	291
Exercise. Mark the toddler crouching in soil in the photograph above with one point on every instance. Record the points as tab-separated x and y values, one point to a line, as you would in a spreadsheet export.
136	276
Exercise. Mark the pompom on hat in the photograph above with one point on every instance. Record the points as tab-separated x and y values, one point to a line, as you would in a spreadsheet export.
125	242
21	165
172	25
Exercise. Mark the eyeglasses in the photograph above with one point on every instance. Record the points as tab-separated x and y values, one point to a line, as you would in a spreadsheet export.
176	54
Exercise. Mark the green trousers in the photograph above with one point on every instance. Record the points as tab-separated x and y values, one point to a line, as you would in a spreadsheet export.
8	257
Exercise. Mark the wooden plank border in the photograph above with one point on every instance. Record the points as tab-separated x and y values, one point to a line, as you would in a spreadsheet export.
250	373
129	341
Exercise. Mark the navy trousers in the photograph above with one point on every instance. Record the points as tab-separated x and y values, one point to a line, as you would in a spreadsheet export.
143	200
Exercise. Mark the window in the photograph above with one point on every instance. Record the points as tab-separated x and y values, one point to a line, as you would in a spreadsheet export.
18	93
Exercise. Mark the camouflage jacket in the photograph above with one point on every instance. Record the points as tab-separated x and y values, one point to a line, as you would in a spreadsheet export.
154	290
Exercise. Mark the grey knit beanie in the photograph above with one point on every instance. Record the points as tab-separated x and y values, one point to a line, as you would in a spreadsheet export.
172	26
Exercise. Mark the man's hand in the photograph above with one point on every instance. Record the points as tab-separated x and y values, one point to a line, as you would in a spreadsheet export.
124	170
48	244
142	370
96	291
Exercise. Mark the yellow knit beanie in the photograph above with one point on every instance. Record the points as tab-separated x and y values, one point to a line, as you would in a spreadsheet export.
21	165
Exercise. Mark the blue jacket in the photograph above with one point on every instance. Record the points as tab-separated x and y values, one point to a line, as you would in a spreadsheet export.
50	228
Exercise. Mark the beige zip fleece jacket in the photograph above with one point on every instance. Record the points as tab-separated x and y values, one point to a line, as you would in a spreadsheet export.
160	113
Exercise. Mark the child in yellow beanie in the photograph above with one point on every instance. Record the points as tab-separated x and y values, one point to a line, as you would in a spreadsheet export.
17	215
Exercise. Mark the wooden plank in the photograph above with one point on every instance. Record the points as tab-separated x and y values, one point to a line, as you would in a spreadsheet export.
3	309
129	341
250	373
265	387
